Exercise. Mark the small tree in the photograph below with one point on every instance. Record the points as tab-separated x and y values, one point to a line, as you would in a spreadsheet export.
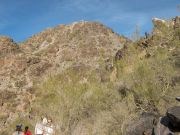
136	34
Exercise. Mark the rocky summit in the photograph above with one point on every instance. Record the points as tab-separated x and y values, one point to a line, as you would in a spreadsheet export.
80	42
90	80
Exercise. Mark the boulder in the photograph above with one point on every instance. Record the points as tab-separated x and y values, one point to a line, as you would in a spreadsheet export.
143	125
163	127
173	114
169	124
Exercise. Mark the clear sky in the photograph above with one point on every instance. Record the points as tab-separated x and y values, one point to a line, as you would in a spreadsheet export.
20	19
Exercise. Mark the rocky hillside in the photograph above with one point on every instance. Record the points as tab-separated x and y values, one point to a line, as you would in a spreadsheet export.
82	45
88	79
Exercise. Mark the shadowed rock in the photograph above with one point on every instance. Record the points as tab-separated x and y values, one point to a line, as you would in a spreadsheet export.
178	99
169	124
174	117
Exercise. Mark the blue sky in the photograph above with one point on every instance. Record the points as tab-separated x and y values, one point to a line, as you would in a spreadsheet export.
20	19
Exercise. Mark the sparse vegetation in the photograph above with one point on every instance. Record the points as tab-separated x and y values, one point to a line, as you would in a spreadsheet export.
85	100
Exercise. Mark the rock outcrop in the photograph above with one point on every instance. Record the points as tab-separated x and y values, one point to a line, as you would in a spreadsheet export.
7	46
174	23
150	124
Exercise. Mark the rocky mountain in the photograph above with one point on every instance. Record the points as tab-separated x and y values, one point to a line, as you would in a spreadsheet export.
78	45
89	79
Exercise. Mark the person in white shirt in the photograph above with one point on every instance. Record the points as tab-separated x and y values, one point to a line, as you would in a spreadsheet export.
40	127
49	128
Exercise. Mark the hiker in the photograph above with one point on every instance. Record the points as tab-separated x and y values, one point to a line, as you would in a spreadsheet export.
18	130
40	126
38	129
27	131
49	128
